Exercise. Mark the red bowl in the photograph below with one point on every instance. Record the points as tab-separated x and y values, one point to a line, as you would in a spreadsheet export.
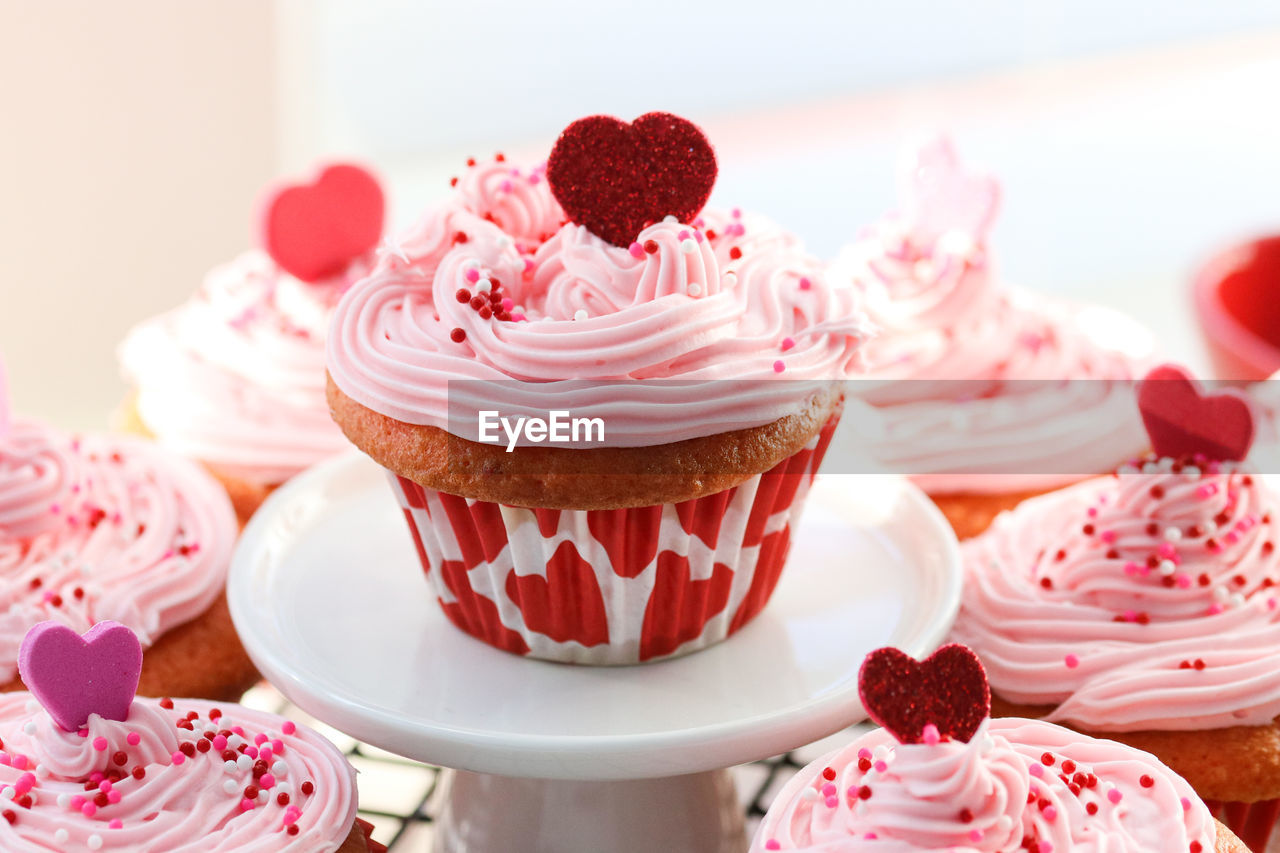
1237	299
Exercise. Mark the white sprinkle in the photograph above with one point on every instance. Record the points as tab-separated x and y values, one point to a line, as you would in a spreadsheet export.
580	314
42	771
669	219
94	842
1210	527
62	836
1191	471
688	246
1127	469
1236	599
33	705
244	762
1172	534
505	242
1167	568
730	278
1151	468
695	289
30	727
230	766
64	800
263	795
279	769
954	243
809	795
231	786
8	792
1221	593
880	752
235	741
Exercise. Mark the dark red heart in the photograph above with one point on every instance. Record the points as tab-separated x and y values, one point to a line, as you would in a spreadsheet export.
313	231
1181	421
616	178
948	689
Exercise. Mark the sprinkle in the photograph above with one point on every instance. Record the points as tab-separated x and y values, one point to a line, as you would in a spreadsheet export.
100	743
771	844
133	739
580	314
472	275
115	823
636	250
247	805
61	836
929	734
975	835
1036	770
688	246
694	289
458	335
809	795
778	366
94	842
178	758
1114	795
231	786
787	343
805	284
1186	804
1071	661
1049	812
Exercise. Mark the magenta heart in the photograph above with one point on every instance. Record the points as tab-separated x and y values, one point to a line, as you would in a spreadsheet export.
947	690
74	676
1182	422
313	231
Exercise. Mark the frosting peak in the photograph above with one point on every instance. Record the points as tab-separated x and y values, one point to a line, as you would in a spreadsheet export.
39	478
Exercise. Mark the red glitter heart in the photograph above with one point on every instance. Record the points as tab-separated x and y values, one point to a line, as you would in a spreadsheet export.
313	231
1181	421
616	178
947	689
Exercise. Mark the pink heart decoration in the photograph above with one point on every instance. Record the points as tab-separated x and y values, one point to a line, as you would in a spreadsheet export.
314	231
947	690
941	196
74	676
1181	421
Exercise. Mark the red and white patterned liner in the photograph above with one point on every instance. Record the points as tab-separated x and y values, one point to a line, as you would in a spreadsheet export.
611	586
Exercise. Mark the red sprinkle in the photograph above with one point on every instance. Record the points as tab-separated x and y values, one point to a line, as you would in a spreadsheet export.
735	253
458	335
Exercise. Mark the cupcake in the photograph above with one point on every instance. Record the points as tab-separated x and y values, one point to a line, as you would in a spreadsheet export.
1143	605
985	394
706	346
100	527
234	377
941	775
87	765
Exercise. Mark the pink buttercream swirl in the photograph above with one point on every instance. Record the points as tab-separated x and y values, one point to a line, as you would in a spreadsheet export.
723	298
99	528
176	779
234	376
991	794
969	376
1146	600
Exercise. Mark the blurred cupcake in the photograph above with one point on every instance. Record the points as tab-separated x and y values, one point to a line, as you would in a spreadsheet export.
89	766
985	394
100	527
1144	606
940	776
234	377
708	346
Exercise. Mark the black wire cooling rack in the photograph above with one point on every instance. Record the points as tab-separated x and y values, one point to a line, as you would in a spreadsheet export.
401	797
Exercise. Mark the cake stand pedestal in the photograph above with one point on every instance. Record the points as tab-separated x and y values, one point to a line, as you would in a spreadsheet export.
327	594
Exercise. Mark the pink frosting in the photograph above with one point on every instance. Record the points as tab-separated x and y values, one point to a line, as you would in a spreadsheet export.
1139	601
724	298
234	377
990	794
103	527
165	779
931	291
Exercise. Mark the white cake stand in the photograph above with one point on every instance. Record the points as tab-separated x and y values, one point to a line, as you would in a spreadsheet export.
329	599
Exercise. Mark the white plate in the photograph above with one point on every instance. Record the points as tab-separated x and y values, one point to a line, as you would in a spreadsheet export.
329	599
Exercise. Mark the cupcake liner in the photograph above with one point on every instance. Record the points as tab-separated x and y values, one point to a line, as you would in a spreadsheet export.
1251	822
610	587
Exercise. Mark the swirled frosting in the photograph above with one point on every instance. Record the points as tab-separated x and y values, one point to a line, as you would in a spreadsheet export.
178	775
495	286
978	387
234	376
1140	601
99	528
1017	784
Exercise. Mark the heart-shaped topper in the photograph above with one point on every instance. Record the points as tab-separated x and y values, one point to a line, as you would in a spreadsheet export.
1181	421
616	178
947	690
314	231
74	676
941	197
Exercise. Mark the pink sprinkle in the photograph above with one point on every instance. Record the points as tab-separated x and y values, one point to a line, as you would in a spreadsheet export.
682	234
88	809
1036	770
1130	615
1045	846
1271	604
259	739
930	734
832	802
251	751
472	275
1232	537
239	730
880	766
508	303
1167	550
772	845
787	343
247	805
288	727
219	742
636	250
266	780
113	796
1092	512
83	733
105	786
852	792
828	790
506	186
1071	661
277	746
805	284
1215	609
1050	812
1186	804
100	743
265	753
4	758
1183	581
114	823
20	762
778	366
1114	795
736	213
77	801
133	738
1132	569
975	835
96	778
697	236
1108	536
178	758
864	753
